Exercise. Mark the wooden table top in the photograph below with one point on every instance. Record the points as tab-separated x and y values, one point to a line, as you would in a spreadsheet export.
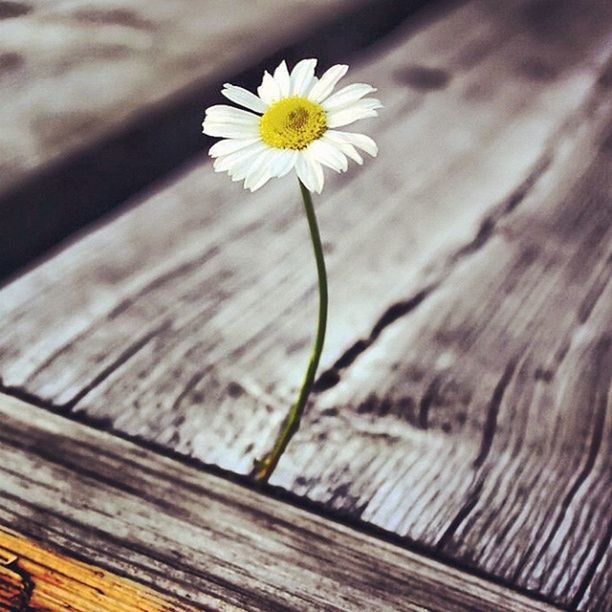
456	452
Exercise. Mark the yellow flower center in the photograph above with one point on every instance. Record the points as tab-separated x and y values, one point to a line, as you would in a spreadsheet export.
292	123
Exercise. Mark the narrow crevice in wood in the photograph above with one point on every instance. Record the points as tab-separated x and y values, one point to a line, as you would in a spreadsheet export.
488	434
489	223
602	549
602	367
426	402
490	425
125	356
332	376
472	498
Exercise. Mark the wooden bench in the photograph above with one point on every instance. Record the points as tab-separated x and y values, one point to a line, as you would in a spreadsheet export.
456	452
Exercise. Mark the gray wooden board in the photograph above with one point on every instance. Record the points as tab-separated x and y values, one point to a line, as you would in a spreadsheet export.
186	321
71	72
478	423
203	539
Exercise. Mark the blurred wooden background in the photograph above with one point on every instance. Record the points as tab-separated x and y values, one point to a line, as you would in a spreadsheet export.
462	407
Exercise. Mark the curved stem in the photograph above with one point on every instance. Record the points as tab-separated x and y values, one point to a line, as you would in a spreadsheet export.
265	466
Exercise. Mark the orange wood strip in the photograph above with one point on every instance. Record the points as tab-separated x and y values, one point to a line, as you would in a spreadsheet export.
32	577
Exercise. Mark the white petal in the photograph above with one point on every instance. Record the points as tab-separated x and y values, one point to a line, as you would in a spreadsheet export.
365	143
243	167
238	174
229	122
302	77
282	162
309	171
281	76
325	85
232	161
230	130
304	172
262	181
258	168
347	95
268	91
259	171
225	147
359	110
329	155
349	150
245	98
231	114
257	179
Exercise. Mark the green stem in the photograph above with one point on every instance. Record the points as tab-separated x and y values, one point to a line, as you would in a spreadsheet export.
265	466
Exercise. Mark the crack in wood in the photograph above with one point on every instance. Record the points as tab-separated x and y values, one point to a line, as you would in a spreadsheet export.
602	367
16	584
123	358
602	549
488	430
332	376
426	401
480	477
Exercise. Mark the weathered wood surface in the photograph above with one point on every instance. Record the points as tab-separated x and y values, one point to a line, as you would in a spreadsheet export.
35	578
199	538
469	258
478	423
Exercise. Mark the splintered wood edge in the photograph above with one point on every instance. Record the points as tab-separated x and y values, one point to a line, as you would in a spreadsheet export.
33	577
56	578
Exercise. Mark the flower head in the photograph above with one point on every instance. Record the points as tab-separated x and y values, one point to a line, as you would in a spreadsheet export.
290	125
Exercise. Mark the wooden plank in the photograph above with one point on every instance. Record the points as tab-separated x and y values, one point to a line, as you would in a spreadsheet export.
32	577
201	538
174	277
176	336
478	423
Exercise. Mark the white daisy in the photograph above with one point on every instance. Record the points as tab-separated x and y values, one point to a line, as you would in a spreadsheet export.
290	125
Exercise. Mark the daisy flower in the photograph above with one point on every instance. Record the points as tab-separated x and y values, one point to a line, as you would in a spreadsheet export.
290	125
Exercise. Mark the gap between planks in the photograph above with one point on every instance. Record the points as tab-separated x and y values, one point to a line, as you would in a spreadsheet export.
197	537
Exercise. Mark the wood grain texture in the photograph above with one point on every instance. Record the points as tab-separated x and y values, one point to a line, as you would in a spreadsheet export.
479	422
186	321
211	543
32	577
